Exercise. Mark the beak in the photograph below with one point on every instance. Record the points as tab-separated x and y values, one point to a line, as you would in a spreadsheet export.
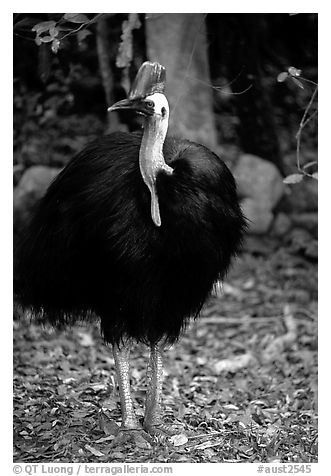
137	105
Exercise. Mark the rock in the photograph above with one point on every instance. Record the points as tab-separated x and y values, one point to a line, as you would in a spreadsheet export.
281	225
18	171
258	245
259	179
311	250
259	216
300	241
29	190
307	221
301	197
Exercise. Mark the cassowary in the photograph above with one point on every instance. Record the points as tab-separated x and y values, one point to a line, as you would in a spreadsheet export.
135	231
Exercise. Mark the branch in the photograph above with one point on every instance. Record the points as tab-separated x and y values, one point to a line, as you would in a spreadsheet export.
93	20
106	72
278	345
304	121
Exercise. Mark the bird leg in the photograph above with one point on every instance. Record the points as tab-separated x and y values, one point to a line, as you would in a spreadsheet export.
153	422
130	430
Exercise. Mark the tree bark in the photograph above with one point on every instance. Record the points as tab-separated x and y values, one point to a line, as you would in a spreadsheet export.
178	42
106	73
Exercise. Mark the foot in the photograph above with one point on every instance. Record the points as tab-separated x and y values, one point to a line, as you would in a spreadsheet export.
138	438
161	432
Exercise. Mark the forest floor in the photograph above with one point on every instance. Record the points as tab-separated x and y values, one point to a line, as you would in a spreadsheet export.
242	380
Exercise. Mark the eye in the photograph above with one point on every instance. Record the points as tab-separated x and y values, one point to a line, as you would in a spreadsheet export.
163	111
150	104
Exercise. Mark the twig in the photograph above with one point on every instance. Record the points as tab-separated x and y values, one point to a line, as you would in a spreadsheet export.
307	313
313	114
203	435
154	16
24	37
308	81
220	88
237	320
304	121
83	25
282	342
234	364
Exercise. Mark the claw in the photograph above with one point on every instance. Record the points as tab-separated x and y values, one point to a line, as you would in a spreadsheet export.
138	438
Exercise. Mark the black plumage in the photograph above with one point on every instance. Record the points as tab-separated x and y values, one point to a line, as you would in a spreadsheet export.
92	248
136	230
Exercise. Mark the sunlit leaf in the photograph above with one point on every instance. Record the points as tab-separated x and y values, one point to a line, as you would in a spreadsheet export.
46	39
55	45
297	82
53	31
82	34
76	17
43	26
294	71
282	77
293	178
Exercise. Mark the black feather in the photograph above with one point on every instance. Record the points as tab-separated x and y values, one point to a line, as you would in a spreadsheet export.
93	249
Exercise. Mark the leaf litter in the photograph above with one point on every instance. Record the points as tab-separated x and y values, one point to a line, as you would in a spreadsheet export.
242	381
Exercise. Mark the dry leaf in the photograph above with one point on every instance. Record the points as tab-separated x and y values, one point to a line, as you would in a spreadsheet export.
108	426
179	440
236	363
94	451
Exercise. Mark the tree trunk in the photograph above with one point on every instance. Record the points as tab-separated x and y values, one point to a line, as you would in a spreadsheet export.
178	42
107	74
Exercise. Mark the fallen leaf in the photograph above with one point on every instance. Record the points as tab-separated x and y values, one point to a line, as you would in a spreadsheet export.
107	425
236	363
109	404
207	444
179	440
85	339
105	438
229	406
94	451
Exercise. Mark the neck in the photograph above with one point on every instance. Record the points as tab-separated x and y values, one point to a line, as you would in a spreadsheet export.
151	159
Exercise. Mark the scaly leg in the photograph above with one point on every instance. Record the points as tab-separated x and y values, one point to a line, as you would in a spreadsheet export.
153	422
131	430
